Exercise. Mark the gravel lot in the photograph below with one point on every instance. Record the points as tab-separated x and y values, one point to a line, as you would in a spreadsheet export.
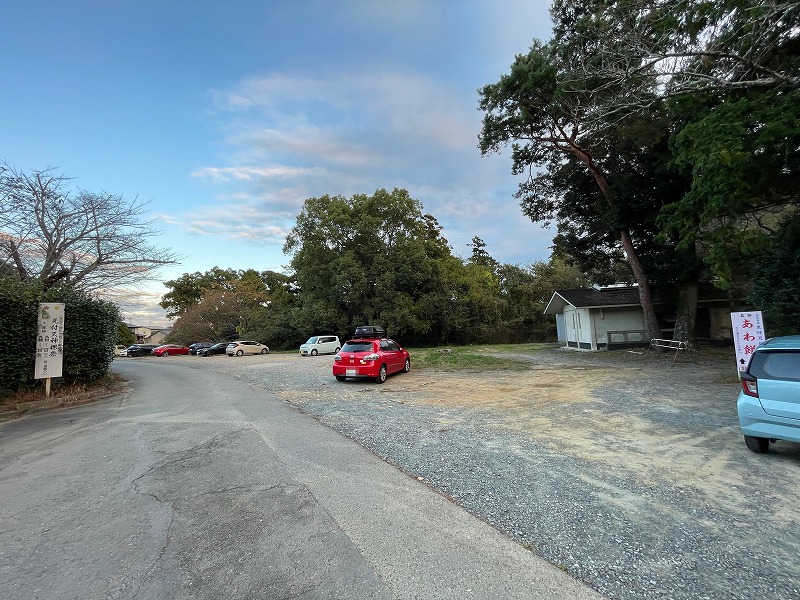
626	472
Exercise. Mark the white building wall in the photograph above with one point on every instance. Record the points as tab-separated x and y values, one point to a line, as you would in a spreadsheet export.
615	319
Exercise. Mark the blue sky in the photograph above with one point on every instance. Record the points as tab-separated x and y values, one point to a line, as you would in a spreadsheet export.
226	116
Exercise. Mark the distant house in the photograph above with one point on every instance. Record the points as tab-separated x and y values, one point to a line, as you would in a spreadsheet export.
149	335
599	318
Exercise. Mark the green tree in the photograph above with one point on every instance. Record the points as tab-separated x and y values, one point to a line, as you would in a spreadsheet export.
222	304
545	111
525	293
776	287
693	47
124	335
369	259
188	289
743	155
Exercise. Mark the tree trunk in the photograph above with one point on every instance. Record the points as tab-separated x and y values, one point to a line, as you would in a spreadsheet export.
686	317
651	325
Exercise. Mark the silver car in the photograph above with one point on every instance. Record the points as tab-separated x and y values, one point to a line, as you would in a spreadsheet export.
246	347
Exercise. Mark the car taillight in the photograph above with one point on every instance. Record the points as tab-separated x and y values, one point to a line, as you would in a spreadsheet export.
750	387
372	356
337	358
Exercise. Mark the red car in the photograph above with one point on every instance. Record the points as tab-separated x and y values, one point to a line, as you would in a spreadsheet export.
371	358
168	349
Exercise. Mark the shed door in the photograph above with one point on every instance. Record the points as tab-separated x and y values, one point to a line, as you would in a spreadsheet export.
584	328
571	327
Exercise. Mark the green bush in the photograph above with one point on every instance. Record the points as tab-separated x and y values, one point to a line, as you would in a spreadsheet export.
90	331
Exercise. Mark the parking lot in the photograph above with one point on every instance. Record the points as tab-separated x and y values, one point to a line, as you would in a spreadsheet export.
626	472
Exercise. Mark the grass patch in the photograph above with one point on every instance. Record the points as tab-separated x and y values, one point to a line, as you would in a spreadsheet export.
473	358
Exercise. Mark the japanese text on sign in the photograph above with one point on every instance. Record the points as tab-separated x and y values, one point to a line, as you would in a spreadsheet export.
748	333
49	341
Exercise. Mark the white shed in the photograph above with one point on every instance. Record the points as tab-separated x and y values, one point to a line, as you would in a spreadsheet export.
598	318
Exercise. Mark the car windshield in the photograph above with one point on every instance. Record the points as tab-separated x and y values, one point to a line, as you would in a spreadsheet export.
312	340
357	347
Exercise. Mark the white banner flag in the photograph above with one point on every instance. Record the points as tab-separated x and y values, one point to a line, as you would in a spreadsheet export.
748	332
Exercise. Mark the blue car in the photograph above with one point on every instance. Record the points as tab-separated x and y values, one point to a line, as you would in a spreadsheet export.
769	403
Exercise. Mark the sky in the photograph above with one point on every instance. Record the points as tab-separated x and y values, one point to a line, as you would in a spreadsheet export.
225	116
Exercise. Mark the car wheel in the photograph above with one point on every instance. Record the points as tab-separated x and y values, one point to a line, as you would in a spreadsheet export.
265	351
314	352
337	350
756	444
381	375
239	352
340	378
407	366
164	354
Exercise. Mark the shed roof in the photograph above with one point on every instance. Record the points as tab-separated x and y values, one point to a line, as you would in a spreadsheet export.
593	298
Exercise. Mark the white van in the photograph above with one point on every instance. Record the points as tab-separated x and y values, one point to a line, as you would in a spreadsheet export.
320	344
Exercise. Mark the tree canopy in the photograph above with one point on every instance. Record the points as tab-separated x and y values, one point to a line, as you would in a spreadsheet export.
664	132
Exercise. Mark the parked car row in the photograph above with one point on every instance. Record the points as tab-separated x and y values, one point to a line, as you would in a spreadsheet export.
237	348
370	354
768	403
138	350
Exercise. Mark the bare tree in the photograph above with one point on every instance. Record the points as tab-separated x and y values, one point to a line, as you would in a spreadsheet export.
96	241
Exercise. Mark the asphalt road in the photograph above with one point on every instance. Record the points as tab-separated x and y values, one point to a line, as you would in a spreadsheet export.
196	484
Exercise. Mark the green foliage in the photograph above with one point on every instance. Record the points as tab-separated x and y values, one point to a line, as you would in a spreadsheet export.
188	289
225	304
526	293
19	303
90	332
124	335
776	287
744	158
370	259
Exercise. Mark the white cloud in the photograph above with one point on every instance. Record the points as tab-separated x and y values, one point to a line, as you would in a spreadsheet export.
248	173
297	133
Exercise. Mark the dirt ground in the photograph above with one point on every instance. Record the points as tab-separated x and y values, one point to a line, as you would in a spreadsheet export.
578	405
623	410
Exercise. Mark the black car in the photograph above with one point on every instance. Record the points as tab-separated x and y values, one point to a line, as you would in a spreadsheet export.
215	349
198	347
141	349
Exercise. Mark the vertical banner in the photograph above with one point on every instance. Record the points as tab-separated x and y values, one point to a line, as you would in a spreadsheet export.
748	332
49	341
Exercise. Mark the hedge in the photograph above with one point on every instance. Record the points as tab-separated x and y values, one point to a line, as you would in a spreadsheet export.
90	331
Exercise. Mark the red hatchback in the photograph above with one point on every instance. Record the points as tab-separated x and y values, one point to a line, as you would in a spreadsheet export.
169	349
371	358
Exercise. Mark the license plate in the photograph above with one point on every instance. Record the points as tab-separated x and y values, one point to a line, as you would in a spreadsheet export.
351	372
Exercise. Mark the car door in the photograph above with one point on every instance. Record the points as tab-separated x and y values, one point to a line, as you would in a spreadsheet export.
391	354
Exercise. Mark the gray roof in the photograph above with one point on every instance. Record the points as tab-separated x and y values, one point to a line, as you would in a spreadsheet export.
593	298
622	297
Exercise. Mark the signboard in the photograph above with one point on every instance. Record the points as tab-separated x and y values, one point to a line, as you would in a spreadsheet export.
49	341
748	332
